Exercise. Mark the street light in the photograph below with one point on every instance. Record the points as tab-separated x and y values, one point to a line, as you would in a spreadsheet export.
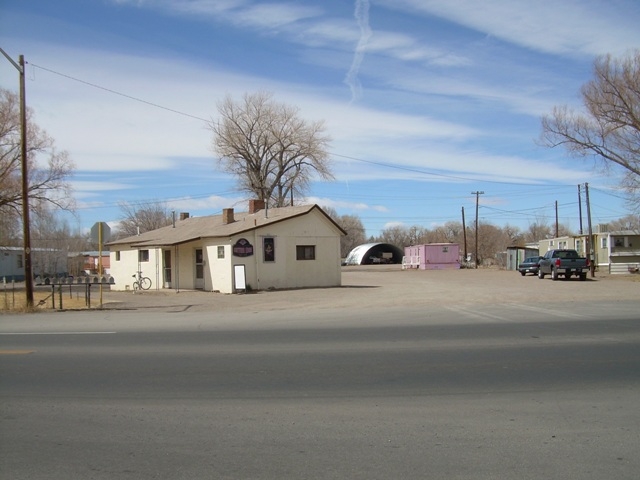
28	276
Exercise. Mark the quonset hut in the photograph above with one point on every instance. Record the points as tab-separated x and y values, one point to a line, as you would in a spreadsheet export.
374	253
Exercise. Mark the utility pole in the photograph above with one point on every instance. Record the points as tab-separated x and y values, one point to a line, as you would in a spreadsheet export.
557	226
592	264
580	208
26	232
477	194
464	234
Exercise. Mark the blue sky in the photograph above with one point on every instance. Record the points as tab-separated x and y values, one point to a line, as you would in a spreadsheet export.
426	101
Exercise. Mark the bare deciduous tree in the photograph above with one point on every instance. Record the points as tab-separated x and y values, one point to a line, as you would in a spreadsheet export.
142	217
350	224
269	148
49	169
399	235
630	222
10	233
609	129
538	230
54	240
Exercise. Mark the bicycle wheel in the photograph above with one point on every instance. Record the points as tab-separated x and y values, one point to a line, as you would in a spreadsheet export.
136	286
145	283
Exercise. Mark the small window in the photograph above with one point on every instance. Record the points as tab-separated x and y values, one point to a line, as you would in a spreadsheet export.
19	259
221	251
603	242
117	256
305	252
143	255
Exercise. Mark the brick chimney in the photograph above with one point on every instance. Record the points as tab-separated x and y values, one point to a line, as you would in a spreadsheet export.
256	205
184	215
227	216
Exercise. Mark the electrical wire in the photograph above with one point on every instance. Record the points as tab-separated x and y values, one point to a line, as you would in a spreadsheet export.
130	97
538	187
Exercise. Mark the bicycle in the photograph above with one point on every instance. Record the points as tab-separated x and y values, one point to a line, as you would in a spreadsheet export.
141	283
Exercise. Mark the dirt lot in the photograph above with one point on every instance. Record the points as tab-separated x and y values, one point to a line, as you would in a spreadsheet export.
377	286
371	287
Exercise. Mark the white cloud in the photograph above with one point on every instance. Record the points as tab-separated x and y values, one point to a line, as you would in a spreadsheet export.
587	27
111	133
362	18
211	203
274	15
345	205
389	225
105	132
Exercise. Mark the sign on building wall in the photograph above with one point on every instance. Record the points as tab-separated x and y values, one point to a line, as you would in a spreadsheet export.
269	249
242	248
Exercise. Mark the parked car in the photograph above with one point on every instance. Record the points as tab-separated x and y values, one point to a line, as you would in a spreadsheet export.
563	262
530	265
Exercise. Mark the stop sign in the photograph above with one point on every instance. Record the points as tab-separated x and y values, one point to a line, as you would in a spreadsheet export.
95	232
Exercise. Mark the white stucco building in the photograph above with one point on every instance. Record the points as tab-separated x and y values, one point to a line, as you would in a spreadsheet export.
289	247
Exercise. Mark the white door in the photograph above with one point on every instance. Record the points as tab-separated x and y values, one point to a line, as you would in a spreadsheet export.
199	257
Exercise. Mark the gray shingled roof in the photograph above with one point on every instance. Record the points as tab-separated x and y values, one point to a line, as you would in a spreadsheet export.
195	228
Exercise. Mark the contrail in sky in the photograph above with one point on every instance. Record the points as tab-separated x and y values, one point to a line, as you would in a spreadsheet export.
362	17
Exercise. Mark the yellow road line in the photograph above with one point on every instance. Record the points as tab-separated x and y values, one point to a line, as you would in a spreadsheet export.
16	352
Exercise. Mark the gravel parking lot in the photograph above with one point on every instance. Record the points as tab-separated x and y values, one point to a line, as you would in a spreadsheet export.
390	286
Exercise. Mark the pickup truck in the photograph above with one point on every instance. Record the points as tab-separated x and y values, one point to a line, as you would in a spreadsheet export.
563	262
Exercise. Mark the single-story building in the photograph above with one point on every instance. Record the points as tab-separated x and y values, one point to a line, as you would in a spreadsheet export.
516	255
275	248
432	256
44	262
89	263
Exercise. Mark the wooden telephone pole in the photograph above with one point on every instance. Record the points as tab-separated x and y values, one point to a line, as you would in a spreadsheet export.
26	232
477	194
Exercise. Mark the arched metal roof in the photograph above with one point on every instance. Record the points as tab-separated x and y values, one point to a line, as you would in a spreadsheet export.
370	253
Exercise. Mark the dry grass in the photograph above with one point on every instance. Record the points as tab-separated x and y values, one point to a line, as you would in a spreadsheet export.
15	299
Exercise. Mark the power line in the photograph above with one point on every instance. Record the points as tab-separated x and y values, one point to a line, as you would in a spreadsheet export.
130	97
371	162
434	174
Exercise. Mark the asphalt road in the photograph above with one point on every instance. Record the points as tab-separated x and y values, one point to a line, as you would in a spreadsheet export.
509	391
